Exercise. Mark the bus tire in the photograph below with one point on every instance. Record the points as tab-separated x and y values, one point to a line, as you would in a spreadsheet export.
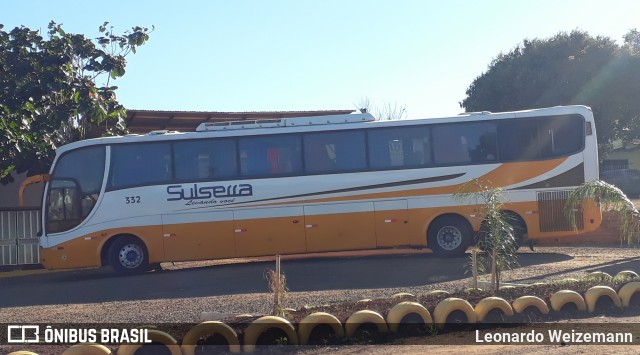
517	224
627	292
449	235
521	304
403	309
488	304
128	255
593	294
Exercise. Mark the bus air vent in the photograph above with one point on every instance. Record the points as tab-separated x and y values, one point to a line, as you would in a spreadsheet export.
285	122
551	211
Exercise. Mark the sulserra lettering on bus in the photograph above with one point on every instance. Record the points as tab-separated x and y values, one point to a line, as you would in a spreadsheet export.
207	192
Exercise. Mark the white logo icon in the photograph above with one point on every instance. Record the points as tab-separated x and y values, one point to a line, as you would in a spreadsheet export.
23	334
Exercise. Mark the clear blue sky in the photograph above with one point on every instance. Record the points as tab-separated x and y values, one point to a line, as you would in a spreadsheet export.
323	54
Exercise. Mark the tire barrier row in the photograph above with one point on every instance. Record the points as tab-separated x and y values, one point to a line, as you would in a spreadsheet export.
442	315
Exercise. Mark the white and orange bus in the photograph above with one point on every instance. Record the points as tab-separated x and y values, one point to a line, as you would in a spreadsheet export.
312	184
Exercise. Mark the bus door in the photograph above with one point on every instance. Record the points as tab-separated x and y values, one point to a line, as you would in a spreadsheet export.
201	235
392	228
340	226
269	231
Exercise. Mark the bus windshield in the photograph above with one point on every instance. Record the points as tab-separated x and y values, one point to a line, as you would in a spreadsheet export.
74	188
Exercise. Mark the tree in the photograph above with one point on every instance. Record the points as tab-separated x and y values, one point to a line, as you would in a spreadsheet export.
49	95
569	68
387	112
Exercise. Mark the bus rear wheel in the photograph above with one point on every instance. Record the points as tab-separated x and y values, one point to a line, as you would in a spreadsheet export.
449	236
128	255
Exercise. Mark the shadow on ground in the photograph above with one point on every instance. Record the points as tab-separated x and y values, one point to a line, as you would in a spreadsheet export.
100	285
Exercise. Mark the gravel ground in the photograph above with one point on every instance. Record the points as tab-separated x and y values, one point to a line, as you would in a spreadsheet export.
189	310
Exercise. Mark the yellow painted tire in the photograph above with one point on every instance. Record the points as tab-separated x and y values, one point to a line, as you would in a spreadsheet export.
598	275
563	297
520	304
361	317
22	352
506	288
209	328
310	322
449	305
488	304
403	309
438	293
404	295
593	294
364	301
155	336
626	274
472	290
570	279
538	284
87	349
261	325
627	291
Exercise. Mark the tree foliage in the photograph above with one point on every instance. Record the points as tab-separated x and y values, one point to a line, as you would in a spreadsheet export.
387	112
569	68
49	94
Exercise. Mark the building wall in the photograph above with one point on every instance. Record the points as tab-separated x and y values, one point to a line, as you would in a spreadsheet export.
9	193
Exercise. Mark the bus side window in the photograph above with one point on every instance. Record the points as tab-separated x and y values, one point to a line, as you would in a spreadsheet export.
272	155
464	143
399	147
140	164
518	140
320	156
348	148
205	159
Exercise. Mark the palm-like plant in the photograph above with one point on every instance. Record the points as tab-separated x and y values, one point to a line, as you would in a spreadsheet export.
611	198
496	236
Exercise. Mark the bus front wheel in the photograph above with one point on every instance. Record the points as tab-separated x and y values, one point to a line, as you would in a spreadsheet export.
128	255
449	236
